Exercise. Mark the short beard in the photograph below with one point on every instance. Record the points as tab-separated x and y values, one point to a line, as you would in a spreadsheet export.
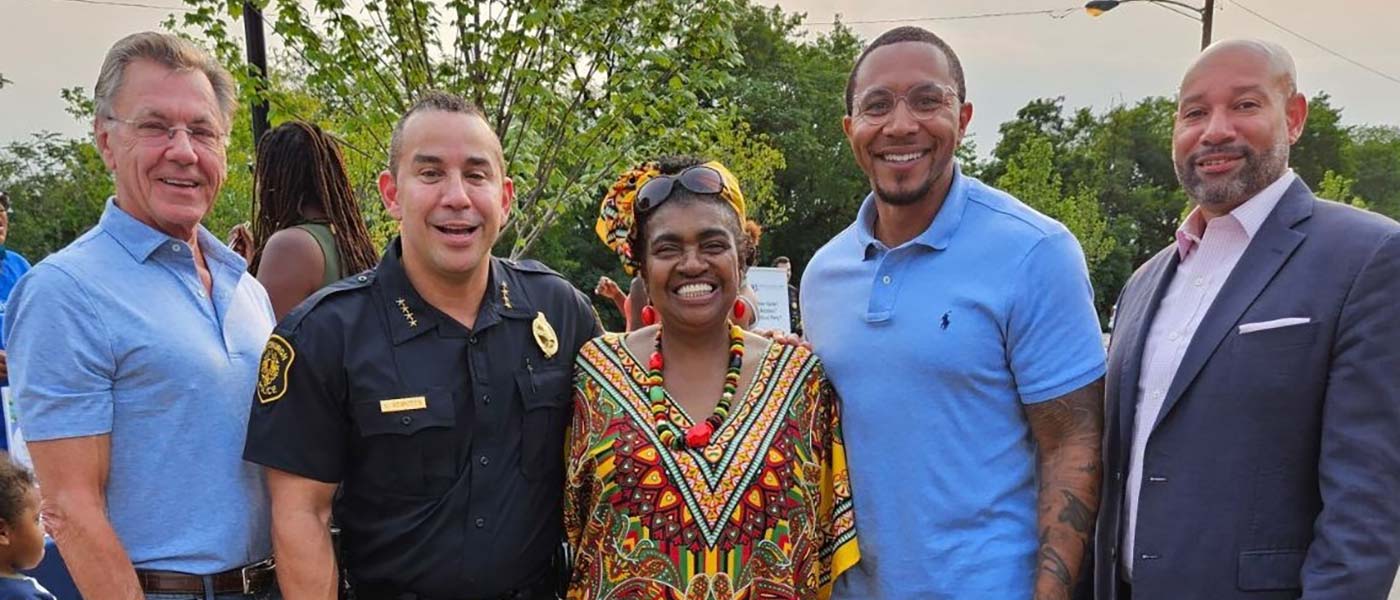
905	198
1258	172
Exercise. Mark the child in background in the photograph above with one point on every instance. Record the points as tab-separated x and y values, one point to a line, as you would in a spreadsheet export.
21	538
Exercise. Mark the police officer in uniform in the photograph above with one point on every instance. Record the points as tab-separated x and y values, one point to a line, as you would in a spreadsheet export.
433	390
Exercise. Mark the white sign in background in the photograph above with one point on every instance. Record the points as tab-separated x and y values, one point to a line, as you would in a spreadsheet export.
18	451
770	285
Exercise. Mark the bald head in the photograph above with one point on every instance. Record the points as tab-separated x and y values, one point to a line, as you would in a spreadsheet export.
1272	59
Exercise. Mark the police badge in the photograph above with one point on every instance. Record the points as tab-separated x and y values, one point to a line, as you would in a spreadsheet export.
272	369
544	336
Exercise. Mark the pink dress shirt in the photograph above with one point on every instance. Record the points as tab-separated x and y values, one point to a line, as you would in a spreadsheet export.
1208	252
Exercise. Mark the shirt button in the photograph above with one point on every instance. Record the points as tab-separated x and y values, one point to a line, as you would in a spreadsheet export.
362	279
472	340
1174	336
406	420
485	461
886	280
480	522
486	399
175	247
200	292
1200	281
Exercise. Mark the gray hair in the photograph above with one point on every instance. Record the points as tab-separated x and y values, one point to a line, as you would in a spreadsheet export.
170	51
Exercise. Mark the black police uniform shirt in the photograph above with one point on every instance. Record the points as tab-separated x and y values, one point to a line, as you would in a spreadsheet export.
447	441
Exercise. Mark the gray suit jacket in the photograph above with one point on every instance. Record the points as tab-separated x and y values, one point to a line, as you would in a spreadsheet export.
1273	470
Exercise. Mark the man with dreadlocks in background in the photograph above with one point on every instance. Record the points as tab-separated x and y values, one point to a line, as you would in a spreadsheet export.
308	232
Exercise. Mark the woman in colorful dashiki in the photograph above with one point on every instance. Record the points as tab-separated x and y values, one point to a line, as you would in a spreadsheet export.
709	466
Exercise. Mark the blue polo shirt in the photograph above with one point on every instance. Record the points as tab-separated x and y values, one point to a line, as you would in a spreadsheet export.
934	346
115	335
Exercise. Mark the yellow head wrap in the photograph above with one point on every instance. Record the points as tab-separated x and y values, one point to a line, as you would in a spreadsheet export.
617	217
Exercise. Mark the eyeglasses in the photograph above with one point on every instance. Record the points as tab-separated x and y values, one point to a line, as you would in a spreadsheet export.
699	179
152	130
877	105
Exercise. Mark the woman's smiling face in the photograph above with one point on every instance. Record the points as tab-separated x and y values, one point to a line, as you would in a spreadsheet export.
691	261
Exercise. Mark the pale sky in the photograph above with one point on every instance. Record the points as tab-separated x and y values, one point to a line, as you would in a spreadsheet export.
1134	51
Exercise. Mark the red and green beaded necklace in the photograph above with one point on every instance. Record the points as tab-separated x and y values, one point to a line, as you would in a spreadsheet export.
698	436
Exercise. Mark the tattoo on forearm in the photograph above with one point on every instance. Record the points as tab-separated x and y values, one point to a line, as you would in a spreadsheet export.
1051	562
1076	514
1068	433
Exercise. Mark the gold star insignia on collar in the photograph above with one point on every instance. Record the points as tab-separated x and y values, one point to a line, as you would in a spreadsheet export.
407	314
505	295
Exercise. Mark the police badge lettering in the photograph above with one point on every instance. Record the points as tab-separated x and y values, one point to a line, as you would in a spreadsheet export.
272	369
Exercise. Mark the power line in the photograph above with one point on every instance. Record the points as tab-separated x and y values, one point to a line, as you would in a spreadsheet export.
1319	45
130	5
1057	13
1178	10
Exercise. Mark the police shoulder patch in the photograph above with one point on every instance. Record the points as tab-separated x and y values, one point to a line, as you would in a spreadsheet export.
272	369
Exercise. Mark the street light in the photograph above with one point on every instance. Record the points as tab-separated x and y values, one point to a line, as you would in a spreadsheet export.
1203	14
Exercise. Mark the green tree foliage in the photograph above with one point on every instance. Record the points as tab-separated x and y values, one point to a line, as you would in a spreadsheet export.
1324	143
576	90
791	90
1338	187
1031	177
1374	158
1121	159
57	187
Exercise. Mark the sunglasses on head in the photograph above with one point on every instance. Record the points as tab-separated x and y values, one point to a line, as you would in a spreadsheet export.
699	179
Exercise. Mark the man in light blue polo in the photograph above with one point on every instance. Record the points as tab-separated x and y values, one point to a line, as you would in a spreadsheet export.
134	351
957	325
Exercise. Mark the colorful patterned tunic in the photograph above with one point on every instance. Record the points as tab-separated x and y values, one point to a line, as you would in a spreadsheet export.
763	512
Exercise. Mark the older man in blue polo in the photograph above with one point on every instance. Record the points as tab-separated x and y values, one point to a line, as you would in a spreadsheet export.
134	351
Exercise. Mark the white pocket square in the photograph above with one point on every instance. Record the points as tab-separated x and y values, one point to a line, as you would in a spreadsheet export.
1274	324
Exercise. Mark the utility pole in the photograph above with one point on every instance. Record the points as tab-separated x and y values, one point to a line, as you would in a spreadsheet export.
257	64
1207	15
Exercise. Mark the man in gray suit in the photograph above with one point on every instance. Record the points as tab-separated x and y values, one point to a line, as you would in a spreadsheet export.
1252	445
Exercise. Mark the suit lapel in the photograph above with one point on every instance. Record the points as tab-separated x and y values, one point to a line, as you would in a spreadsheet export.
1271	247
1159	273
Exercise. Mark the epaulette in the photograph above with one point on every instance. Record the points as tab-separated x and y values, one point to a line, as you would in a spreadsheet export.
354	282
530	265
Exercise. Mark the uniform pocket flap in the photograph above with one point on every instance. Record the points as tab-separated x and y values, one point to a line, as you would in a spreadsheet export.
404	415
545	388
1261	570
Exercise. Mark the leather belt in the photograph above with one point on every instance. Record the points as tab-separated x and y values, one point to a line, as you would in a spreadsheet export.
251	579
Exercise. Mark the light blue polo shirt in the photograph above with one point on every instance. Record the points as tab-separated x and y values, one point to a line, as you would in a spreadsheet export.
934	346
115	335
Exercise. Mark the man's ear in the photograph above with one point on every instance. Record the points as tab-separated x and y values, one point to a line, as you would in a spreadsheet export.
507	200
5	532
102	138
389	195
1295	109
964	118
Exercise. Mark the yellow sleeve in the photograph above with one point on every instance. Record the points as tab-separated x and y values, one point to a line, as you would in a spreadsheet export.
837	514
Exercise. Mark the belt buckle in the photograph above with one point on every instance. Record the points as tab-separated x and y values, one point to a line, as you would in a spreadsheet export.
244	572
